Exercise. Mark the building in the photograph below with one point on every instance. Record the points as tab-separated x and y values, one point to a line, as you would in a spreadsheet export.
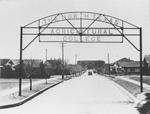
131	67
5	67
126	66
91	64
33	68
116	66
4	62
146	62
53	67
123	60
30	67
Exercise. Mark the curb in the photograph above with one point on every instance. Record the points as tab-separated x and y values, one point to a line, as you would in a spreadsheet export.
29	97
129	96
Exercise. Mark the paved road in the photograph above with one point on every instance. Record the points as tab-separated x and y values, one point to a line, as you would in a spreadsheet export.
82	95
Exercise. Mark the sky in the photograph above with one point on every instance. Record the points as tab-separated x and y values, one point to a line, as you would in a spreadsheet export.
17	13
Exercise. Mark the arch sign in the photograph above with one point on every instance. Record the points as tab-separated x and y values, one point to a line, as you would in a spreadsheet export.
81	27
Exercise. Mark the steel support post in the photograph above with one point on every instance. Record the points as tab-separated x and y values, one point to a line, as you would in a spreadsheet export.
141	68
108	64
62	60
20	74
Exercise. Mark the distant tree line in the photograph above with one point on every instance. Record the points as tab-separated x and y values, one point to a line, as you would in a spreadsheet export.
34	68
98	65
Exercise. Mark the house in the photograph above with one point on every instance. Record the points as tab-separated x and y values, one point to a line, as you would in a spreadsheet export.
123	60
146	62
30	67
4	62
5	67
126	66
130	67
53	67
116	66
32	63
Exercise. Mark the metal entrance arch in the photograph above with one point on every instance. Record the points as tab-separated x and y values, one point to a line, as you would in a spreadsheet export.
80	27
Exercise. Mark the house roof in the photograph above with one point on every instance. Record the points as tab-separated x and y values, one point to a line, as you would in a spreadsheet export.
26	62
147	58
52	62
123	60
32	62
15	61
130	64
3	62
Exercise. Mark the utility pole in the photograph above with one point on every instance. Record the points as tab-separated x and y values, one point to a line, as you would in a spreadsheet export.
108	64
46	60
62	59
76	55
46	55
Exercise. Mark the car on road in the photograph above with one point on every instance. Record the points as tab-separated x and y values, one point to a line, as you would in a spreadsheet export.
89	72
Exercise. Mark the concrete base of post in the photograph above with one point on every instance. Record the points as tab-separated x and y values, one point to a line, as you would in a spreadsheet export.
143	103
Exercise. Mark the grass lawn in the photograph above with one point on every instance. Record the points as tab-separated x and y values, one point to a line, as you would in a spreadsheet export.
7	85
146	79
10	83
130	87
14	97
